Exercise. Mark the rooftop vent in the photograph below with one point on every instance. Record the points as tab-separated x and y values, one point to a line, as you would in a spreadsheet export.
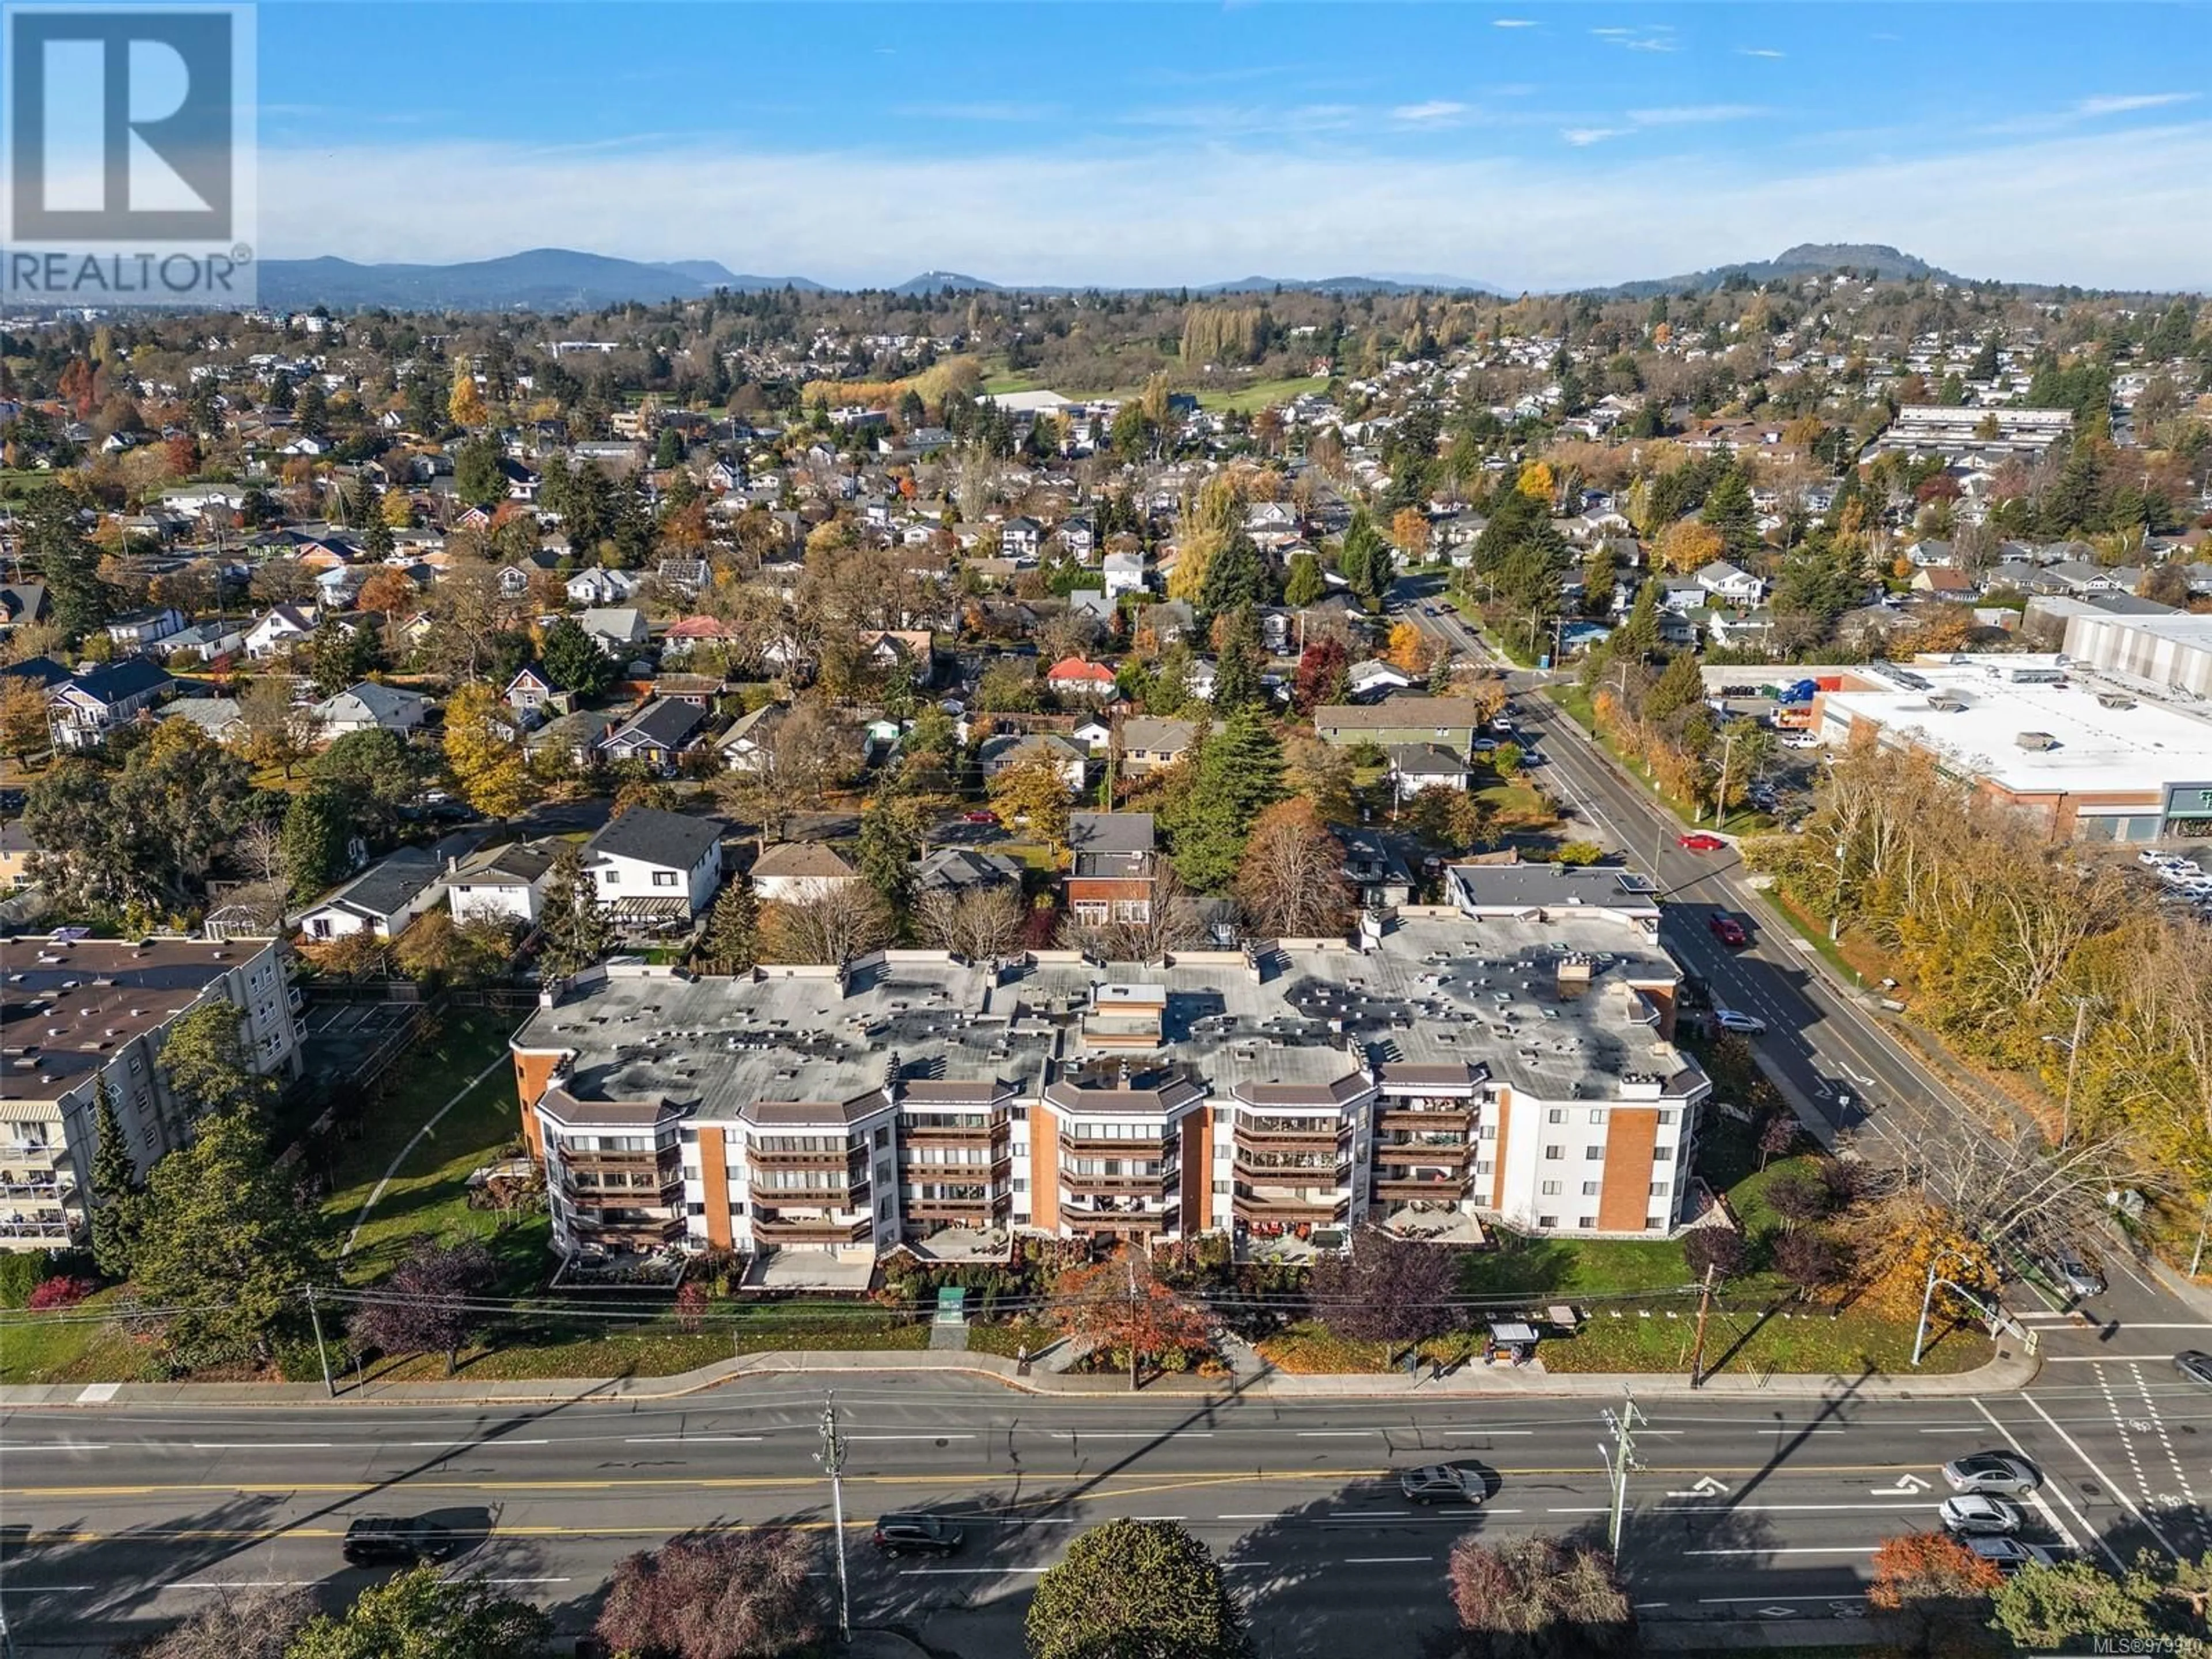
2036	741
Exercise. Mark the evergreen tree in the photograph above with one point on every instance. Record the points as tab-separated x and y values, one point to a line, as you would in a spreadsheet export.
1638	636
226	1242
477	478
731	942
889	838
1306	584
203	1061
53	541
1728	510
1682	686
1364	559
576	932
1237	575
115	1191
1239	775
574	662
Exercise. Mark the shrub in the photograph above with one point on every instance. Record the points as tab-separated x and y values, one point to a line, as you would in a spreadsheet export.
59	1293
20	1272
1578	853
1718	1249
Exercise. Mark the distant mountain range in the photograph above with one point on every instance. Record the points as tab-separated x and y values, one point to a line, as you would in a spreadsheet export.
561	279
1806	259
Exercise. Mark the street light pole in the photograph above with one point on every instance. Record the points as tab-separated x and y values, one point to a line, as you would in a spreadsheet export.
832	1459
1620	1457
1836	909
1927	1296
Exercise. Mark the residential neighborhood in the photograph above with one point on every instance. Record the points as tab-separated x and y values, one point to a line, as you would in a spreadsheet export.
1338	849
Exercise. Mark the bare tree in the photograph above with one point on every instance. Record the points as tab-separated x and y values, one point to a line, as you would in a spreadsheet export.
252	1624
1992	1187
259	847
831	928
979	924
1291	881
721	1595
808	749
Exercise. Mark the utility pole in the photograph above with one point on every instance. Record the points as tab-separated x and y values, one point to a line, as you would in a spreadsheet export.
315	1318
2072	1064
1836	910
1621	1458
1928	1297
831	1457
1720	798
2203	1223
1131	1258
1704	1307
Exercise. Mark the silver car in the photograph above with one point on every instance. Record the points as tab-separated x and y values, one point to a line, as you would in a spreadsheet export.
2002	1473
1442	1482
2075	1271
1974	1516
2009	1555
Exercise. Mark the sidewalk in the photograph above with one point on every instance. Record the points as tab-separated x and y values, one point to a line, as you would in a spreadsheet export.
2009	1371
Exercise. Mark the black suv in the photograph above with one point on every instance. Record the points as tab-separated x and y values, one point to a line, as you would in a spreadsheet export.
896	1534
376	1540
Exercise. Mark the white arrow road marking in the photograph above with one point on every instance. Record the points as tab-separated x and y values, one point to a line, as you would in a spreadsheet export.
1906	1485
1703	1487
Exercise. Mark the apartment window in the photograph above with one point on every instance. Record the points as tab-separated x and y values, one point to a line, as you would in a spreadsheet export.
609	877
690	1172
1557	1114
1484	1167
1655	1223
1666	1116
1594	1154
1589	1189
883	1137
1587	1223
1021	1183
1662	1154
1597	1114
1555	1152
1488	1132
1021	1114
695	1209
1549	1189
137	1065
664	878
1658	1189
1547	1221
1221	1189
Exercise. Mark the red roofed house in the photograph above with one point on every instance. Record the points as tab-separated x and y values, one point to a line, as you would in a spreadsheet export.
1073	677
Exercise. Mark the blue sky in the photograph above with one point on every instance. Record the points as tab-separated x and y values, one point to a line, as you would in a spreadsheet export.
1540	146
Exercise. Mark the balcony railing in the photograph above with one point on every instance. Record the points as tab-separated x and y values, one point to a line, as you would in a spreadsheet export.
612	1163
942	1134
657	1231
1326	1167
1419	1118
1263	1206
761	1158
1147	1184
809	1229
1144	1147
1114	1221
992	1206
1419	1187
846	1195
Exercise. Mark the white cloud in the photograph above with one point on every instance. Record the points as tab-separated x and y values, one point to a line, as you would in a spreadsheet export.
2124	103
1758	52
1583	136
1693	114
980	112
1513	22
2104	209
1437	111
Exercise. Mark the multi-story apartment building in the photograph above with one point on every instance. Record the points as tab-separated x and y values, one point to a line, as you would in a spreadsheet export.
76	1009
1508	1061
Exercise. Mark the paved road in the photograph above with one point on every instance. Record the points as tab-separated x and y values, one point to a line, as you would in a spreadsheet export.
119	1517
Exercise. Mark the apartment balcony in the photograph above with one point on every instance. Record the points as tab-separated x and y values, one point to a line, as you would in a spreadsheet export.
1421	1188
1430	1149
992	1206
1323	1169
809	1229
1262	1205
622	1198
635	1233
1147	1185
845	1194
843	1158
1115	1221
1424	1120
1144	1148
1317	1137
911	1134
578	1162
57	1191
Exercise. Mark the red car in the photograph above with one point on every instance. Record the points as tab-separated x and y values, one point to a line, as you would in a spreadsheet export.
979	817
1699	842
1727	930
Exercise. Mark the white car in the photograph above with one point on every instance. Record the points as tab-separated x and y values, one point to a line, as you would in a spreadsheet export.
1973	1515
1729	1019
1801	740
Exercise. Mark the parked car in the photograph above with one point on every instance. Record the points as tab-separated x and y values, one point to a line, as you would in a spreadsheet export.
1442	1482
1727	930
2009	1555
2074	1271
2195	1366
984	816
2004	1474
901	1535
1729	1019
1974	1515
383	1539
1699	842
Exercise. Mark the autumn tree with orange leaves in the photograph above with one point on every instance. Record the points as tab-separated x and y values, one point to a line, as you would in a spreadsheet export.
1118	1306
1932	1596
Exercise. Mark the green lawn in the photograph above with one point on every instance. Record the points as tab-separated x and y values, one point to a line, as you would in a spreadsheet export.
428	1195
1569	1268
1008	1340
1748	1335
39	1348
1260	394
658	1346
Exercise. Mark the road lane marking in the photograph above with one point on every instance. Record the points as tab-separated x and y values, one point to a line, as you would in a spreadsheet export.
689	1439
1384	1560
1135	1434
1337	1434
263	1445
963	1573
911	1439
1793	1549
19	1452
42	1590
526	1580
2118	1493
471	1445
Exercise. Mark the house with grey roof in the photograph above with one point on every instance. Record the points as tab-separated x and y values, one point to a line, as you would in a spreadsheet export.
369	707
381	900
655	870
